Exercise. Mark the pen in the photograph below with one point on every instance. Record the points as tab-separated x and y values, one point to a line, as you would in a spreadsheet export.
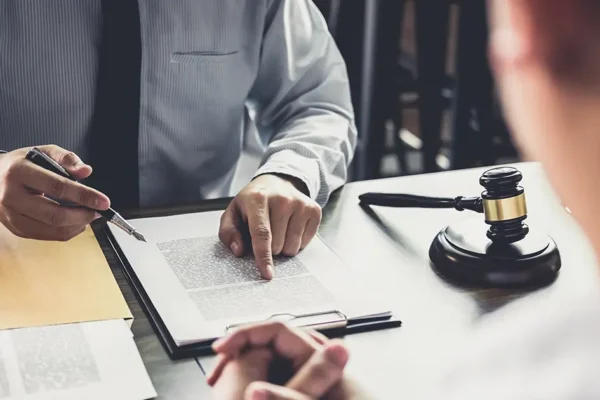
360	325
42	160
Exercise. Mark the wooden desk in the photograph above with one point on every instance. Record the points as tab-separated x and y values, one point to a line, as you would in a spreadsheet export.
392	245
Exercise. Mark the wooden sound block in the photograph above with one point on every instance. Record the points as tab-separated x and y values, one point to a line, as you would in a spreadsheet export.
463	253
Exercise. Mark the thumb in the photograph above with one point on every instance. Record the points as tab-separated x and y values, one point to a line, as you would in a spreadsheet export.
229	230
68	160
322	371
268	391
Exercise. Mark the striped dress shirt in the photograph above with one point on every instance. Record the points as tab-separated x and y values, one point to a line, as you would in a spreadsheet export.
211	70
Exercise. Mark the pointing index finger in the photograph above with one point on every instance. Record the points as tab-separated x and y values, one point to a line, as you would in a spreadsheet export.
259	225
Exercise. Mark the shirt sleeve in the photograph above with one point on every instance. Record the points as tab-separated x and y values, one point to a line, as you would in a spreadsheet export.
301	100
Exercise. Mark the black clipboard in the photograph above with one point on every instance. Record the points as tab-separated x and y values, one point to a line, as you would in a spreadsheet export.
174	351
177	352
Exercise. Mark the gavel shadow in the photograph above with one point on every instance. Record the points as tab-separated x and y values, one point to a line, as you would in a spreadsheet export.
486	299
400	240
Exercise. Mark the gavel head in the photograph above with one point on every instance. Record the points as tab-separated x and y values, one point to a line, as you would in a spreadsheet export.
504	205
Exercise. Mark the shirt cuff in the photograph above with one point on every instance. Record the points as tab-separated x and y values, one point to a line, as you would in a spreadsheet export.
288	162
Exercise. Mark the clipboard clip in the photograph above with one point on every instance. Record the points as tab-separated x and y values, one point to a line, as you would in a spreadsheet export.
319	320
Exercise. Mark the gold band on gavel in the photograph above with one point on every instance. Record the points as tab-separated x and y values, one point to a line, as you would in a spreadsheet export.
505	209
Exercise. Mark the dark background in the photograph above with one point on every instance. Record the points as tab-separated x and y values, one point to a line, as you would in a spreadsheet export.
421	85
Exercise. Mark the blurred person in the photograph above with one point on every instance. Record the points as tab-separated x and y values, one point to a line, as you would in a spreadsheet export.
157	97
546	59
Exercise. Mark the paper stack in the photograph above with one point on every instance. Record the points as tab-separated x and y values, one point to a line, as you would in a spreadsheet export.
87	360
64	324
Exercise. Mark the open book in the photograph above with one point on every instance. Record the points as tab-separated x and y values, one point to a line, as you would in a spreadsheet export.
202	291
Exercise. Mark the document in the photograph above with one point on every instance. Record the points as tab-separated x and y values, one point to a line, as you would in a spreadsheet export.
90	360
200	289
45	283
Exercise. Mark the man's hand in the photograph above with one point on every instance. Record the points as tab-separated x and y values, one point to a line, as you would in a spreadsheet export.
238	374
315	364
26	213
274	216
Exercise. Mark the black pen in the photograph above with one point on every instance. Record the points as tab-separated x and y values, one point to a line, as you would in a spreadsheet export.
42	160
363	324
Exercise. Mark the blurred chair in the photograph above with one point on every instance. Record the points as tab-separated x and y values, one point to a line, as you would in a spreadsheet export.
378	79
479	134
369	33
392	79
432	30
355	31
384	107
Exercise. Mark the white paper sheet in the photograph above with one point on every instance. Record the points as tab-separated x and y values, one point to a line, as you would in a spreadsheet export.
199	287
91	360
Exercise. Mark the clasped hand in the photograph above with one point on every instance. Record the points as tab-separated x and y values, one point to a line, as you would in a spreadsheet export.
274	361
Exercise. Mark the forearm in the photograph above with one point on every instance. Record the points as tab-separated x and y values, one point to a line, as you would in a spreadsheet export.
315	149
302	100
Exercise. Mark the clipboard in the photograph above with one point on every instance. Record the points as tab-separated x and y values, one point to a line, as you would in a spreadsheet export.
331	323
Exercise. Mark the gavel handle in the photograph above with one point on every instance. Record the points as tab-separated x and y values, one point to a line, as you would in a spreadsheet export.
399	200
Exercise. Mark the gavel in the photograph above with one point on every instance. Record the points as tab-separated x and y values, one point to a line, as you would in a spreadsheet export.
502	203
510	256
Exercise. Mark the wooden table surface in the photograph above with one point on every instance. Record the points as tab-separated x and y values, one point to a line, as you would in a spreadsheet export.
390	248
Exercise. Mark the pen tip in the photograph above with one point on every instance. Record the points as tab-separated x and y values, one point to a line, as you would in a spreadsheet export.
139	236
